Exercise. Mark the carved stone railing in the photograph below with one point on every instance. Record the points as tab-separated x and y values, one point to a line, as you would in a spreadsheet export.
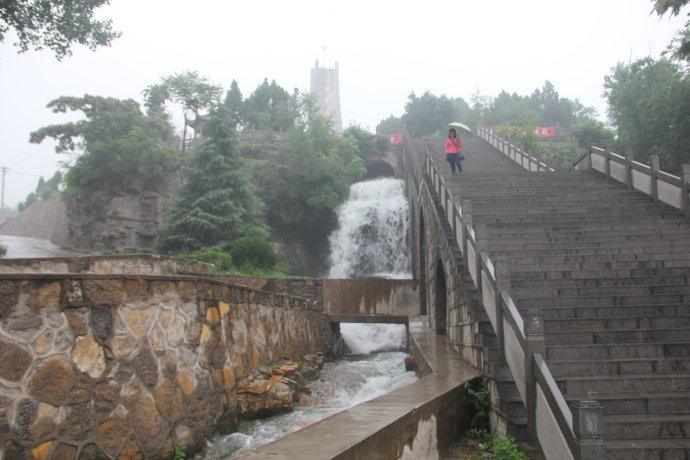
562	433
649	179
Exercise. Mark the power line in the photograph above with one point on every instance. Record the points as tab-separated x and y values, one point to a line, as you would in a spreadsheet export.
26	157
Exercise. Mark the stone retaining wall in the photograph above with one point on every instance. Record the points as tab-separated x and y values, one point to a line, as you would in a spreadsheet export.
106	366
116	264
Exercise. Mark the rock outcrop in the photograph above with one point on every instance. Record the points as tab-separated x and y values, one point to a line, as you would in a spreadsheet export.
46	219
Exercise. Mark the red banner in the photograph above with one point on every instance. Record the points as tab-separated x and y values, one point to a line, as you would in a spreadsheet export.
395	139
543	131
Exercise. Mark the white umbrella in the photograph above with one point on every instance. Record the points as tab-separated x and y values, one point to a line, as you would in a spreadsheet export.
457	124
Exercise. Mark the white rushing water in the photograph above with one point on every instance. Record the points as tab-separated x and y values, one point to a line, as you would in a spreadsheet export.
341	385
371	239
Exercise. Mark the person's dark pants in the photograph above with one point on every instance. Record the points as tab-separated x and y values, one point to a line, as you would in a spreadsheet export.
454	160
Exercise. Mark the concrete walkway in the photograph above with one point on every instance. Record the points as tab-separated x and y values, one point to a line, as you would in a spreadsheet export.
388	427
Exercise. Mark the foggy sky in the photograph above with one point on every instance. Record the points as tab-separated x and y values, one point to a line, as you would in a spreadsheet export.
385	50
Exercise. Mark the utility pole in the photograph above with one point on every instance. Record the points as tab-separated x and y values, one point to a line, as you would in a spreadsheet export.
4	170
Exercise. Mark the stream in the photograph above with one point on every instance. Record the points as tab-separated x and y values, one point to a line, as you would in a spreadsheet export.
370	241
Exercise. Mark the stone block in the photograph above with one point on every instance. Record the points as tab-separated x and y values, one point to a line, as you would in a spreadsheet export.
146	423
15	361
93	452
42	451
169	400
103	292
9	296
43	295
101	322
138	320
112	435
88	355
185	379
146	366
123	345
65	452
51	379
79	423
73	294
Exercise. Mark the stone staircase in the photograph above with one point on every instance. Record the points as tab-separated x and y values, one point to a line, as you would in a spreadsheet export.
608	269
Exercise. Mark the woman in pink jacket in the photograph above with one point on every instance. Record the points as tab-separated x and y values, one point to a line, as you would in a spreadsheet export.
453	149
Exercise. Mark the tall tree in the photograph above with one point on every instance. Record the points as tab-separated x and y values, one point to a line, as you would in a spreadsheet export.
427	114
388	126
188	89
270	107
682	41
233	103
216	205
117	142
649	104
56	24
366	142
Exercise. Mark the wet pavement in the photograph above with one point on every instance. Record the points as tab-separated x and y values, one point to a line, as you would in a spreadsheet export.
335	435
19	247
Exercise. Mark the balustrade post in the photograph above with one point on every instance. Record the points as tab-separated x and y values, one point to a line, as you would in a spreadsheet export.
628	167
654	163
465	220
481	235
588	427
534	338
686	189
589	143
607	160
502	272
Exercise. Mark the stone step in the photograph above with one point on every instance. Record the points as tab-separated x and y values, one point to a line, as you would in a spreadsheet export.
645	403
619	366
593	384
616	336
607	311
601	300
618	350
616	323
659	252
570	283
647	449
600	291
586	271
646	426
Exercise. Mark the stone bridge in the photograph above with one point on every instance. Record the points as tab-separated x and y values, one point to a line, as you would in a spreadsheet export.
568	290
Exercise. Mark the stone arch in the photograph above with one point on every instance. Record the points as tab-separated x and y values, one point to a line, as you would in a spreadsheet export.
379	168
441	297
421	249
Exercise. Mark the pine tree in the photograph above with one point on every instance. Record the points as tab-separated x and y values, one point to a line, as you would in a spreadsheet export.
216	205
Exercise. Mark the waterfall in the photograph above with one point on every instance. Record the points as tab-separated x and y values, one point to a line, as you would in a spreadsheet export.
371	239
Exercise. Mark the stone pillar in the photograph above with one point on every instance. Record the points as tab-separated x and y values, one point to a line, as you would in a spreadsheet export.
654	188
534	338
685	202
502	271
481	233
607	161
466	220
628	167
589	144
588	426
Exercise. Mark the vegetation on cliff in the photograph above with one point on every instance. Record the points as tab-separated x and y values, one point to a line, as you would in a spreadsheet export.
45	190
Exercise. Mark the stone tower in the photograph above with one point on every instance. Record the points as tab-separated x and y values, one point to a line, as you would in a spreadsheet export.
326	90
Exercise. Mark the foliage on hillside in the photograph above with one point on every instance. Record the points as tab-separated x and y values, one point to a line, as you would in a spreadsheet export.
649	105
216	205
45	189
316	170
117	144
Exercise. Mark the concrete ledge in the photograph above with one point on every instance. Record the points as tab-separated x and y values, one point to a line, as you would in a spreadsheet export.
383	319
414	420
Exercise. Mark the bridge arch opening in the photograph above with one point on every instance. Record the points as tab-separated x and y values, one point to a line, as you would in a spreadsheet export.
379	168
421	248
441	299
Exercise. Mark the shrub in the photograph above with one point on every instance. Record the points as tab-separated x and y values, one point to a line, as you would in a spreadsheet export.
499	448
180	452
3	250
253	251
479	397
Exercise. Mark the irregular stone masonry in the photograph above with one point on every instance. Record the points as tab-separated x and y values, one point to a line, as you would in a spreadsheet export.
107	366
120	264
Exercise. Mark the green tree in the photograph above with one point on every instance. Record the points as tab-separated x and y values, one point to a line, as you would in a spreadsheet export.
270	107
55	24
681	45
427	114
316	171
117	142
216	205
649	105
233	103
366	142
45	189
188	89
388	126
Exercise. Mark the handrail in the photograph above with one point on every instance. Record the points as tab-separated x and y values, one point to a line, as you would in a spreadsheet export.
661	185
521	346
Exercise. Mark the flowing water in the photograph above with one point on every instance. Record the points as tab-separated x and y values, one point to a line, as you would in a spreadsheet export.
371	240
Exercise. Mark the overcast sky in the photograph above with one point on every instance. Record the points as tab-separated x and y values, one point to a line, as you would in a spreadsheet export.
385	50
